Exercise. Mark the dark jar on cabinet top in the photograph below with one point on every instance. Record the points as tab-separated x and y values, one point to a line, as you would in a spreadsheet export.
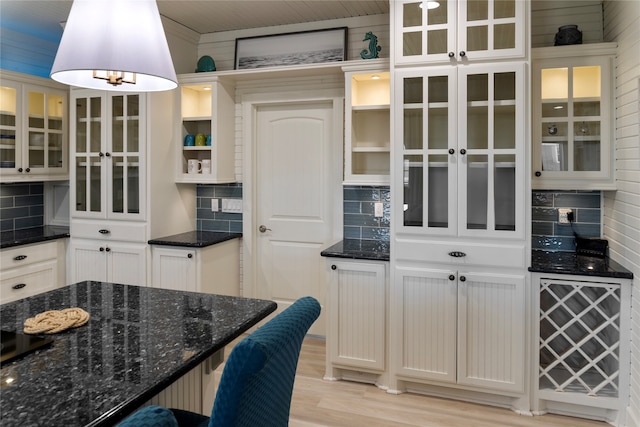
568	35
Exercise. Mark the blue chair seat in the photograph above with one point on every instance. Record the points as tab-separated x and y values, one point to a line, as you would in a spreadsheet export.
257	380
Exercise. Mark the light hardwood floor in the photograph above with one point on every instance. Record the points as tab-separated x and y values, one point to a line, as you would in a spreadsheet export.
317	402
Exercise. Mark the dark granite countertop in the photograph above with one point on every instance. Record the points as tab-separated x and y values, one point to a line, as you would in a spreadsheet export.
195	239
137	342
376	250
570	263
9	239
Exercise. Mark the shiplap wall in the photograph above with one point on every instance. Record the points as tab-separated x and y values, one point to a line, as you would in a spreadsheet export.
622	208
548	15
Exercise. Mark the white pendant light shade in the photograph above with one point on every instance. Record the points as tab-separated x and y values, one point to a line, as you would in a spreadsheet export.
117	38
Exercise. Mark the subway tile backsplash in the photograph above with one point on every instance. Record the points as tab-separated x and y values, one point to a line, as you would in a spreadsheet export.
21	206
217	221
548	234
359	219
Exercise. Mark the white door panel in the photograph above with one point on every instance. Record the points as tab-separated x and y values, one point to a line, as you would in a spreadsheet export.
294	194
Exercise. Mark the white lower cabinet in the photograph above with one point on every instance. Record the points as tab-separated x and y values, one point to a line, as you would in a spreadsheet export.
459	328
28	270
581	352
357	320
211	269
108	261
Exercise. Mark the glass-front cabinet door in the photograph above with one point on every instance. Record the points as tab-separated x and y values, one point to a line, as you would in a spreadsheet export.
462	135
108	138
45	148
572	132
10	154
450	30
33	131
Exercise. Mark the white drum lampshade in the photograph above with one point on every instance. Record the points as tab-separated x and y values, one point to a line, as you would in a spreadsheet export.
116	45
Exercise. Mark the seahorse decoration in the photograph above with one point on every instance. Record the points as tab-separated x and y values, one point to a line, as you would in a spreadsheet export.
373	47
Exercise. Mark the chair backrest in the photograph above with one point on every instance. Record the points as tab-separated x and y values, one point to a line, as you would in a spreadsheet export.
257	380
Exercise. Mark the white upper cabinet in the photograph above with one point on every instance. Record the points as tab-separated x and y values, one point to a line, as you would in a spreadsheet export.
108	155
33	129
206	142
458	31
460	161
367	132
573	127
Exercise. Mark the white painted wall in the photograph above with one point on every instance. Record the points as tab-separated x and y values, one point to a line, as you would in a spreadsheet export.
622	207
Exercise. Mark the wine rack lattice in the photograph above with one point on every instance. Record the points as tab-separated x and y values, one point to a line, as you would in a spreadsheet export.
579	337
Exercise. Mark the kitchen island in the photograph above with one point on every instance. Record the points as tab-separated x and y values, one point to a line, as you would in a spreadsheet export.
137	342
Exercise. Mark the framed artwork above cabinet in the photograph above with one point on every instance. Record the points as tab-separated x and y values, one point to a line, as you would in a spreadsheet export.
206	142
573	120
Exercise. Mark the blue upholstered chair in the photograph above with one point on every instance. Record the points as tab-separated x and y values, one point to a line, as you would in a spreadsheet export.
257	380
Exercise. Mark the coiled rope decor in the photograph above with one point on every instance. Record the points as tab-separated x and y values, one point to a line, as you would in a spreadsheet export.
54	321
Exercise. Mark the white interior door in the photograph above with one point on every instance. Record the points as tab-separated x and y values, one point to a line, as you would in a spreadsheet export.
294	209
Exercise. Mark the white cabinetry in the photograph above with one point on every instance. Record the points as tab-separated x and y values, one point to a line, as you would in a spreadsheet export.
573	129
32	269
458	326
207	113
357	316
121	193
458	30
212	269
582	353
367	119
33	129
460	122
460	166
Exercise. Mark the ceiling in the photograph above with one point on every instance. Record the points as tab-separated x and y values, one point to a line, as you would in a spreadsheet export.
42	18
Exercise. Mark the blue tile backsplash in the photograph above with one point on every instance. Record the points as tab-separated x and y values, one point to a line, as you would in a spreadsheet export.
359	219
217	221
21	206
548	234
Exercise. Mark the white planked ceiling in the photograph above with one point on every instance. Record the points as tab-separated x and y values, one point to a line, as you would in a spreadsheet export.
40	17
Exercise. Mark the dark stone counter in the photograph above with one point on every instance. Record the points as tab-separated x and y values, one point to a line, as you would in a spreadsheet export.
359	249
570	263
195	239
138	341
10	239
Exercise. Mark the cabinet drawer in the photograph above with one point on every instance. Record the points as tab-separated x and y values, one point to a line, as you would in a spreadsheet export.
124	232
27	281
29	254
476	254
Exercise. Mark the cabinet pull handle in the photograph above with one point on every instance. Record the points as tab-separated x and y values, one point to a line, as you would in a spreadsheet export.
451	54
451	151
463	151
104	231
334	267
101	154
538	173
101	249
463	53
189	255
20	169
27	170
452	277
457	254
463	279
108	154
108	249
19	286
20	258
